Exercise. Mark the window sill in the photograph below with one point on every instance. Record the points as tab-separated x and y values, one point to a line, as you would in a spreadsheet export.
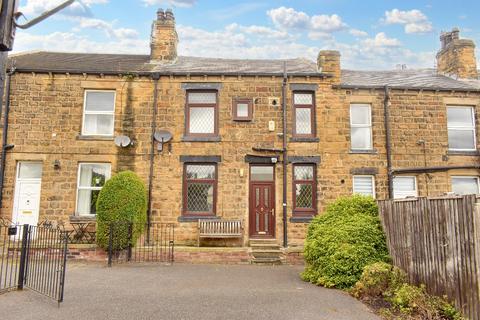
201	139
463	153
298	139
373	151
94	138
196	218
76	218
305	219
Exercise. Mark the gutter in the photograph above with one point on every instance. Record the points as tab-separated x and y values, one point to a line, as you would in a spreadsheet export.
434	168
386	121
156	78
167	73
381	87
5	146
284	149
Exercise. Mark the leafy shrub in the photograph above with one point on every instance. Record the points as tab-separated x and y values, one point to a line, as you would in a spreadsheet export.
384	287
342	241
123	203
379	279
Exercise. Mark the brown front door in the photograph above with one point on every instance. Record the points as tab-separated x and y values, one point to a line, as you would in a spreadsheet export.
262	202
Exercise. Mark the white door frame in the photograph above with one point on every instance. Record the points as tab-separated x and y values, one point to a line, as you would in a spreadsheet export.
16	198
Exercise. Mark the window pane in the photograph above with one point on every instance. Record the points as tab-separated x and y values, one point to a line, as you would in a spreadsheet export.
361	138
460	116
404	187
303	172
302	98
200	172
363	185
199	197
202	120
261	173
465	185
242	110
94	175
360	114
87	201
202	97
461	139
98	124
303	121
100	101
30	170
303	196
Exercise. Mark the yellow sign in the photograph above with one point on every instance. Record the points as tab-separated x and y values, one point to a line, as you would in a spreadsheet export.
27	212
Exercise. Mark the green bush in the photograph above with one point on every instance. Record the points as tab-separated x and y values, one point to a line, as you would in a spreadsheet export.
379	279
123	203
342	241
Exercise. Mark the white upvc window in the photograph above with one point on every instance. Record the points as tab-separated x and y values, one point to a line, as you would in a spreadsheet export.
404	187
364	185
361	127
461	128
465	185
91	179
98	113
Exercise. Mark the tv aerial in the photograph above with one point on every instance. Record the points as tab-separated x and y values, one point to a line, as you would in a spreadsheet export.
162	136
122	141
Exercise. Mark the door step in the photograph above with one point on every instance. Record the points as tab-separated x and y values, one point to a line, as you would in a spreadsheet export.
265	251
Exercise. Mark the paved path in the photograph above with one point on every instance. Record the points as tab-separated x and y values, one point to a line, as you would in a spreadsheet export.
185	292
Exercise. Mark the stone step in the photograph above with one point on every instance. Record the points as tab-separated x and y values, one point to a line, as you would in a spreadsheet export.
266	261
266	254
264	246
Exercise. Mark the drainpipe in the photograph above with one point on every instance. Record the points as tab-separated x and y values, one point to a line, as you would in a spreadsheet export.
156	77
386	113
5	147
284	151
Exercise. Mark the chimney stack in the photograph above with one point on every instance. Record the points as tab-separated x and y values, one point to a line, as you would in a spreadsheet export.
457	56
164	38
328	62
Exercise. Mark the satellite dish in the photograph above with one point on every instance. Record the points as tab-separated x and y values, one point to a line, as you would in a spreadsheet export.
162	136
122	141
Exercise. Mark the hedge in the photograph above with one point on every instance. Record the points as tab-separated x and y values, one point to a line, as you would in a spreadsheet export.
122	202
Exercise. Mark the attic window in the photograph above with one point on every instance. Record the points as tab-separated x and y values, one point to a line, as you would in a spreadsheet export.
242	109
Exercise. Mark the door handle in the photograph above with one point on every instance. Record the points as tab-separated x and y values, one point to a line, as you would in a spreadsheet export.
273	211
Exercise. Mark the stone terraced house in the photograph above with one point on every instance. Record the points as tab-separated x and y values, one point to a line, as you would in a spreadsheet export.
269	142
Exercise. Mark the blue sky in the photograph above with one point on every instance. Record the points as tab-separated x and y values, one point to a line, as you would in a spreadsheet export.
369	34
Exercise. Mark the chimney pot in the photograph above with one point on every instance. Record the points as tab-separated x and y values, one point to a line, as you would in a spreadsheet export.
160	14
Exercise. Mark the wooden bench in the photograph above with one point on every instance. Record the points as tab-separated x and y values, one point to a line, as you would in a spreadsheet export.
220	229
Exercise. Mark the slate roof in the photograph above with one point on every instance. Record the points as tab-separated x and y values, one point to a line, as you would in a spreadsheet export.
42	61
405	79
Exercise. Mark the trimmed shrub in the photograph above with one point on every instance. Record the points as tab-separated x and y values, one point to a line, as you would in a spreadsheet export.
342	241
123	203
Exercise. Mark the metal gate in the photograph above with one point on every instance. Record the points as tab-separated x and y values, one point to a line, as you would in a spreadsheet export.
131	242
33	257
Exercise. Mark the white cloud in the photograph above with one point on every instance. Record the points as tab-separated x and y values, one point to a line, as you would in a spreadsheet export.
381	40
34	8
317	25
358	33
73	42
173	3
289	18
414	21
327	23
108	28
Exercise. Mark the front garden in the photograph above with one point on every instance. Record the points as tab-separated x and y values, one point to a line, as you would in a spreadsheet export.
346	249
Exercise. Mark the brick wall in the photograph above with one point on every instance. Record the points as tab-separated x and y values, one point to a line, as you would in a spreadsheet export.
46	119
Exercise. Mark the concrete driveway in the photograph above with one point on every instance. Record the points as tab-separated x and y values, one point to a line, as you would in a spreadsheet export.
185	291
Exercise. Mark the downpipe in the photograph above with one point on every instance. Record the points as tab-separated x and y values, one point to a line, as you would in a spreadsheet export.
284	155
5	146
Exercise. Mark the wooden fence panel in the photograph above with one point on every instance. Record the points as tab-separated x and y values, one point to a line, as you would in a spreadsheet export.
437	242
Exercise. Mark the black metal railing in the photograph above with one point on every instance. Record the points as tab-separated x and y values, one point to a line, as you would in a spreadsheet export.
33	257
129	242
